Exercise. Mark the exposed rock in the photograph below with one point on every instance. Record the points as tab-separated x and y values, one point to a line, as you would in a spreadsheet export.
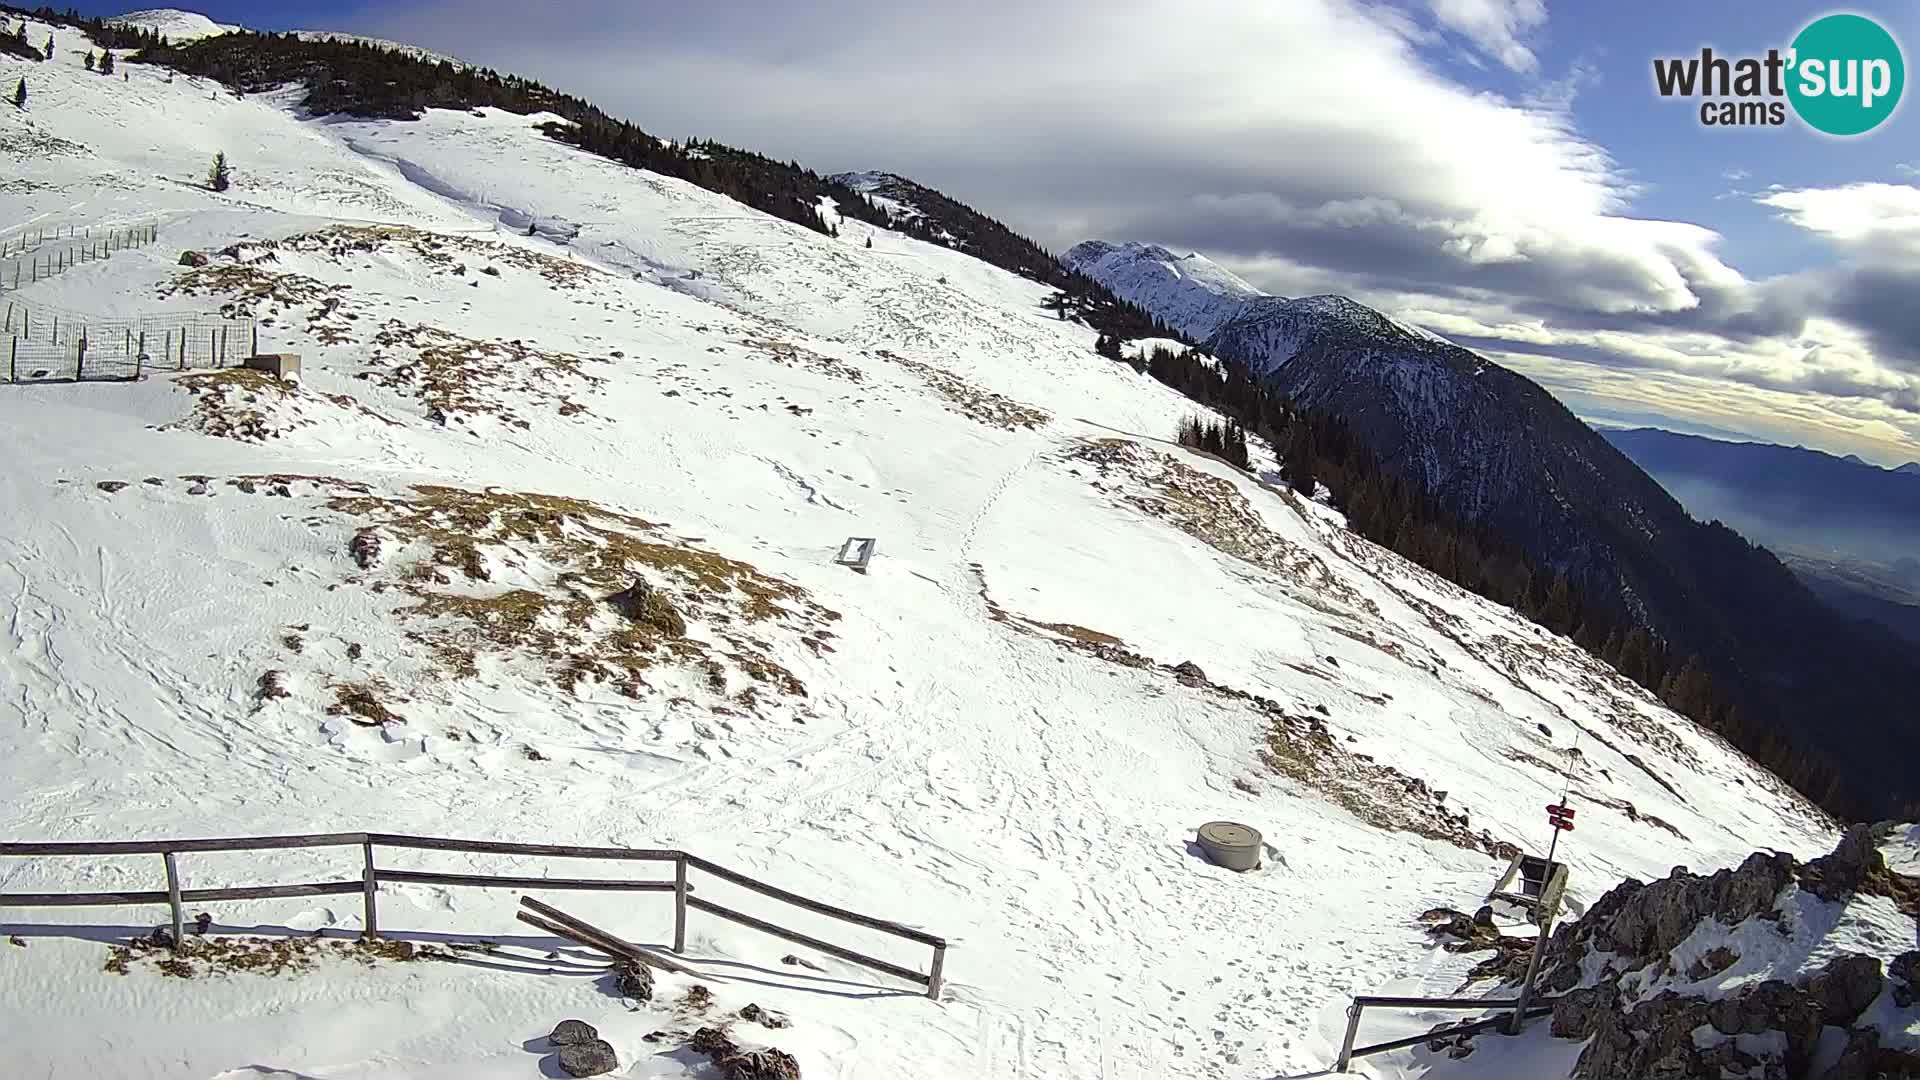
712	1042
1652	919
272	684
1712	962
736	1064
199	488
111	486
1839	875
643	603
1857	1060
1578	1013
193	258
1905	973
796	961
633	980
365	549
1845	987
766	1064
202	923
765	1017
572	1033
588	1058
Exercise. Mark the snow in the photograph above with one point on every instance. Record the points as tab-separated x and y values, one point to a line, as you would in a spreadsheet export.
964	757
175	25
1191	293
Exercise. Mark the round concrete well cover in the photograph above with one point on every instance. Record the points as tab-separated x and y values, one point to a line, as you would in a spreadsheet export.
1231	844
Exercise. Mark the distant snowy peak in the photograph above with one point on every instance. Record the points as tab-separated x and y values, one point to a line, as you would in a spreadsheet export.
1911	468
173	24
1191	292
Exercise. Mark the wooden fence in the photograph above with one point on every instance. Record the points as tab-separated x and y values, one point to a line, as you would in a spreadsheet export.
368	885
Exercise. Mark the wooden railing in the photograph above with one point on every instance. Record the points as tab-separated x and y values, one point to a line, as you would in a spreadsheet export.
368	885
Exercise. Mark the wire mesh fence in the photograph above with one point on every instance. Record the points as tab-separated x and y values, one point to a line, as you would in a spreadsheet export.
48	344
31	255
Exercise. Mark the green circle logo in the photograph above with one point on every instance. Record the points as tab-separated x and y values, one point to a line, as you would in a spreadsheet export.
1846	76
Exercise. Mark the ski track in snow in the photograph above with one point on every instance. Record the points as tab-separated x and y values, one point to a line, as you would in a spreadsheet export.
773	391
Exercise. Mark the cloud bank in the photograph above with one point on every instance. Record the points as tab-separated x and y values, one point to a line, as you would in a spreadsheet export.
1311	145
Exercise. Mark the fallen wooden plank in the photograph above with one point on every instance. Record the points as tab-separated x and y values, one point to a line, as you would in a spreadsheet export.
587	933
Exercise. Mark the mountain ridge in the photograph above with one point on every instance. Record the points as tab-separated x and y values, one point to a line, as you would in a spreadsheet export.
1499	450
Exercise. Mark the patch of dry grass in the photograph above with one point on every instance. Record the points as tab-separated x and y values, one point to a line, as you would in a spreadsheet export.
970	401
587	560
204	956
1213	511
455	375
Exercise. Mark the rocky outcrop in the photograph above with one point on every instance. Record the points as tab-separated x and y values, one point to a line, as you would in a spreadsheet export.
1608	968
734	1063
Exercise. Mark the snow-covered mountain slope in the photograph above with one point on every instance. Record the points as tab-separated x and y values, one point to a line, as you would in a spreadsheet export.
173	24
377	599
1191	293
1496	450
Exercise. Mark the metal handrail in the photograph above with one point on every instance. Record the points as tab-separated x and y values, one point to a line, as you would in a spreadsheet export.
1539	1007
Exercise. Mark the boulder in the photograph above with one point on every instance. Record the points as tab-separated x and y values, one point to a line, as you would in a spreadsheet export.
1905	973
633	980
364	548
573	1033
194	258
1845	987
591	1058
642	603
1189	672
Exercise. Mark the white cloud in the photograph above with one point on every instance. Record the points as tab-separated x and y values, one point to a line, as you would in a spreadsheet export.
1498	28
1308	144
1867	220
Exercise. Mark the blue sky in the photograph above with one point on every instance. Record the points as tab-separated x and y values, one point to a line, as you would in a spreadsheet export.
1682	165
1500	171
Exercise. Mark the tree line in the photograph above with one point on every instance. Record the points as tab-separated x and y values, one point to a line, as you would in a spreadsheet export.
1318	449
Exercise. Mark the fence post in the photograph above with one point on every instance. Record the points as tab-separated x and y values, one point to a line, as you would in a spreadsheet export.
680	903
13	360
9	316
935	974
1346	1046
140	358
370	884
80	355
222	362
173	898
213	351
255	329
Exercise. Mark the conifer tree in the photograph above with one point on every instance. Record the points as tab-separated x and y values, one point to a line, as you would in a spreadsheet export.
89	60
219	177
20	95
23	26
106	62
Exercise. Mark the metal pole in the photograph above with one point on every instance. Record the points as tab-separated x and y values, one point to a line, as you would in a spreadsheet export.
1533	972
680	904
13	361
80	355
1346	1045
139	358
370	884
935	974
173	897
